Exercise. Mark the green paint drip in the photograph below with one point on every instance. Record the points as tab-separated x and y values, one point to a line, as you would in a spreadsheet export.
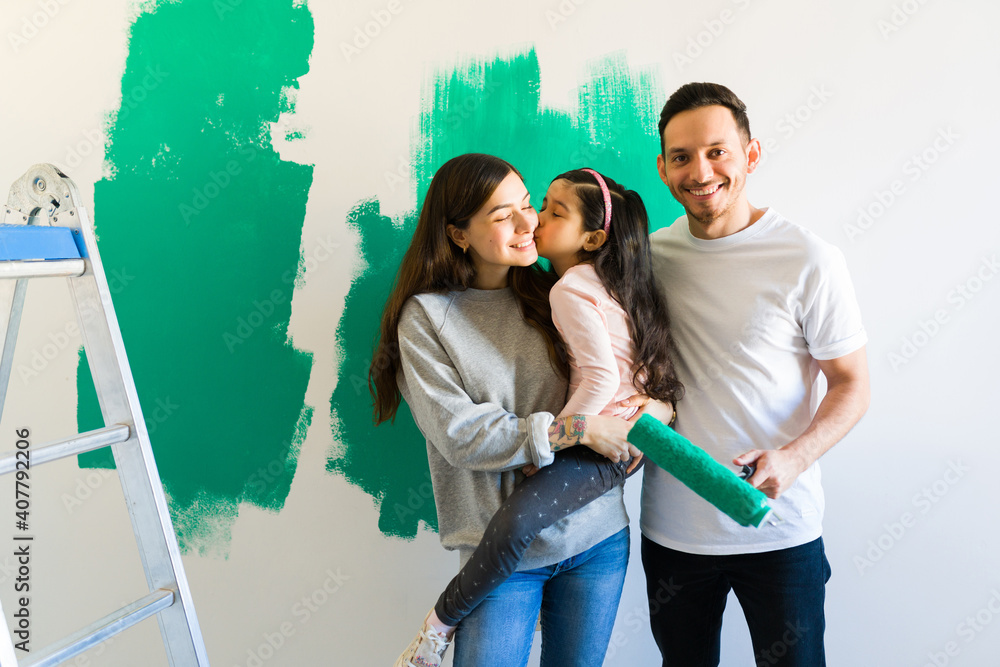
200	226
484	107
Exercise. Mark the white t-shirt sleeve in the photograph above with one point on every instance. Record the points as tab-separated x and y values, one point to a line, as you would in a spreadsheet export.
831	318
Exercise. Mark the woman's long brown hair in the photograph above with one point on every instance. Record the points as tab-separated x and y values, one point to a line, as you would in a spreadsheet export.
433	263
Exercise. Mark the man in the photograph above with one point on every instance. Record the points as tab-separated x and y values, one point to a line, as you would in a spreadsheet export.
759	307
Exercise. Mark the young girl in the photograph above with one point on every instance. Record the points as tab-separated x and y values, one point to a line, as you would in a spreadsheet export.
595	234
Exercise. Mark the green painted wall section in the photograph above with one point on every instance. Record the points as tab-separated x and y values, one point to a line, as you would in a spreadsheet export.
200	224
487	107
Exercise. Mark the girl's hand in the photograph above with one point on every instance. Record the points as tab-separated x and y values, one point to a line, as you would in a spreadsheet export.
663	411
635	401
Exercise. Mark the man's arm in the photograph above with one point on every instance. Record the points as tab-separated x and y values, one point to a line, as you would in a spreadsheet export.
846	401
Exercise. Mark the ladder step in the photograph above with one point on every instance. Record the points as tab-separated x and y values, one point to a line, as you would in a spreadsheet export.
49	268
37	242
53	236
102	629
85	442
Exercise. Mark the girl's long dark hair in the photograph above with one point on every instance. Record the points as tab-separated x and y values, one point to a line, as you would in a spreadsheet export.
625	266
433	263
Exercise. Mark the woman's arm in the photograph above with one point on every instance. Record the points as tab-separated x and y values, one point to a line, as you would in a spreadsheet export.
605	435
476	436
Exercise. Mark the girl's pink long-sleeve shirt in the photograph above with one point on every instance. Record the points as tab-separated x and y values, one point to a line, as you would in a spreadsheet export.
595	329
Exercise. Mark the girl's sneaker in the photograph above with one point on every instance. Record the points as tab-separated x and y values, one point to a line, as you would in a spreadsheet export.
426	650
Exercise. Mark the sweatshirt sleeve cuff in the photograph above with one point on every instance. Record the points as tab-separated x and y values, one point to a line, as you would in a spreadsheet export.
538	438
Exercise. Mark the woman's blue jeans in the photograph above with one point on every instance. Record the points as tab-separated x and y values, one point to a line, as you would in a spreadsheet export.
578	599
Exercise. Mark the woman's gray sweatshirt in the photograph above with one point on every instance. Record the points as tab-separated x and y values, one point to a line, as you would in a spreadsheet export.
479	384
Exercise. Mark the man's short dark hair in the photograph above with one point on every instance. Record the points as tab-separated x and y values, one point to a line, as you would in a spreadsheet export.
697	95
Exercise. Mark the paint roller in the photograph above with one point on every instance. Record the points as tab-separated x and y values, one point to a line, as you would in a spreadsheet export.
698	471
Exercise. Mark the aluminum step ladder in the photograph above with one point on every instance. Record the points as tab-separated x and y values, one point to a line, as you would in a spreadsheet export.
46	231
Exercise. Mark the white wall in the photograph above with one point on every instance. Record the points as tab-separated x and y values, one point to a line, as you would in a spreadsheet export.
910	492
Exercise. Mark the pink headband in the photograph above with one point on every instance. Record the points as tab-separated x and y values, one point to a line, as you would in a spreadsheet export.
607	199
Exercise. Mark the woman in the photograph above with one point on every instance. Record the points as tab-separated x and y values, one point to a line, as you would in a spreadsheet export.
467	339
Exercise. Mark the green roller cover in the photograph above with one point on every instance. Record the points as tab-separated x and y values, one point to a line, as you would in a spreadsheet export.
699	472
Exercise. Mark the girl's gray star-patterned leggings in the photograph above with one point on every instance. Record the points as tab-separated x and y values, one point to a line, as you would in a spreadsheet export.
578	476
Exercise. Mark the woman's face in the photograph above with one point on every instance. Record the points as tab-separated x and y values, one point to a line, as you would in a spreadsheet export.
500	234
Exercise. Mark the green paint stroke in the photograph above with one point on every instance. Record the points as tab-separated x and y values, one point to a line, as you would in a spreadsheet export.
485	107
200	226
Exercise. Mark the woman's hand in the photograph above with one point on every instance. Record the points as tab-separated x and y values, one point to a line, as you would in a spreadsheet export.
608	437
605	435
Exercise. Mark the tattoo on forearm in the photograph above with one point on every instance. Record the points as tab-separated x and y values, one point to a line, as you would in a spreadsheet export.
567	431
560	433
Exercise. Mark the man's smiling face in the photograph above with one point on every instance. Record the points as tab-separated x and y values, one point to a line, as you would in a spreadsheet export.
705	164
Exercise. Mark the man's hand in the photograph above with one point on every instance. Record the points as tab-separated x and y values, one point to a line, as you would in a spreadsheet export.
777	469
846	400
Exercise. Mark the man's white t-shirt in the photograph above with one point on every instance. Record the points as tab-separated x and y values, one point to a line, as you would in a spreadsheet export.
751	314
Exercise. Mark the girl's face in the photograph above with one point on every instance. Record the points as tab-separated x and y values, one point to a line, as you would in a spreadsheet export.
560	235
500	234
